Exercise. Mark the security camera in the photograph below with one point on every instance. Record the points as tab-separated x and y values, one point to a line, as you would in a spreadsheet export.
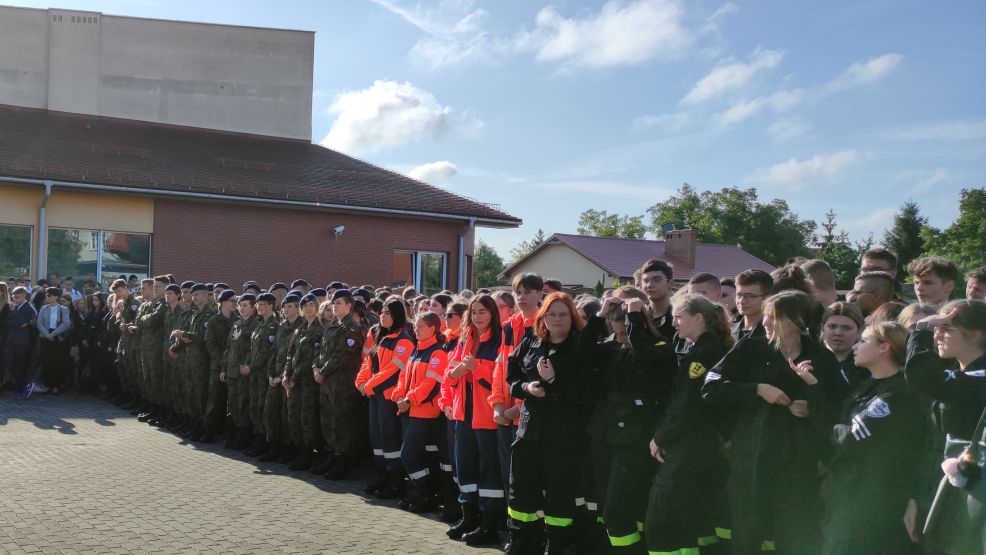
338	230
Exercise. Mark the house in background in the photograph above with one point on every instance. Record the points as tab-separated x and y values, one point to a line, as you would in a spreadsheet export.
580	262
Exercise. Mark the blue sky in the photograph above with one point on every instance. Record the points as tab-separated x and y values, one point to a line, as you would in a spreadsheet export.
551	108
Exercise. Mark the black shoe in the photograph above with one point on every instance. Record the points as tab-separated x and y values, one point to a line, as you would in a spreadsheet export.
259	446
422	502
468	522
394	488
451	510
486	532
232	437
340	470
272	454
197	432
287	454
325	465
378	483
303	461
246	438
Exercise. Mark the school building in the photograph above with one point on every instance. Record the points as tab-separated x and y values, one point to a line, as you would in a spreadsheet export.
140	146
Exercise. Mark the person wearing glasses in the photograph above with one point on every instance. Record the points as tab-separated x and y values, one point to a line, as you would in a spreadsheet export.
870	290
752	286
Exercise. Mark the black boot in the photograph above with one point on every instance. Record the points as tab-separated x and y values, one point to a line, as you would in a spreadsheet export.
468	522
394	488
486	532
378	483
263	449
340	470
423	501
186	426
287	454
208	433
325	464
303	461
451	511
245	439
197	432
521	541
272	454
232	437
254	449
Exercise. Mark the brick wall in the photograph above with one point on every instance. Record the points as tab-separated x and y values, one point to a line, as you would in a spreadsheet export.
211	241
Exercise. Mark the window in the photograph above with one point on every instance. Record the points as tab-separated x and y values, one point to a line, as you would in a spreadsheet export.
426	271
98	255
15	251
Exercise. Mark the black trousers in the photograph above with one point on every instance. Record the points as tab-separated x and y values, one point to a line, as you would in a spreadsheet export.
55	361
419	452
553	469
16	361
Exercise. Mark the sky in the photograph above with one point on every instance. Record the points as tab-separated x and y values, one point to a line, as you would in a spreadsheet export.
550	108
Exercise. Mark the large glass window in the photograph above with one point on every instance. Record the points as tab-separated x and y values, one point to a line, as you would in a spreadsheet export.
424	270
98	255
15	251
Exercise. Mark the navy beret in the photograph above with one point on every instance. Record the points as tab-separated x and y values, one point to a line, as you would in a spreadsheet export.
187	284
363	294
299	283
173	288
226	295
291	298
342	294
200	287
336	285
319	292
251	285
267	298
309	298
221	284
248	297
277	285
210	286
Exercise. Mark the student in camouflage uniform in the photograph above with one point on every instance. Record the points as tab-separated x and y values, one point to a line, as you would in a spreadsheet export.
261	351
299	384
172	323
127	349
275	406
217	333
340	404
150	325
237	368
197	359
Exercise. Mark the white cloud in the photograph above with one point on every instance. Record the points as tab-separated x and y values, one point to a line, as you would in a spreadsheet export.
389	114
731	76
723	10
875	222
946	131
446	18
799	173
940	175
667	122
621	34
434	171
869	71
787	129
780	101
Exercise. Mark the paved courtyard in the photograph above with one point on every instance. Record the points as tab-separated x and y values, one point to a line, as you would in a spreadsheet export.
78	475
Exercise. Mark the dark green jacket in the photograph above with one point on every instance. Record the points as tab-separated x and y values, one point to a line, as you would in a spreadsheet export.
238	352
340	353
282	345
304	350
262	342
217	340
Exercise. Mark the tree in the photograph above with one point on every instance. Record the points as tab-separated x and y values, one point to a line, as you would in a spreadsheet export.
904	237
15	250
486	265
600	223
525	247
734	216
844	258
965	240
830	236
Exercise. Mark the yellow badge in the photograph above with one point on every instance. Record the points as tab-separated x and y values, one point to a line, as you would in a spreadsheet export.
696	370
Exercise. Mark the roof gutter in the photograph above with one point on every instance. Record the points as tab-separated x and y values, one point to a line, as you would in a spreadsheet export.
297	203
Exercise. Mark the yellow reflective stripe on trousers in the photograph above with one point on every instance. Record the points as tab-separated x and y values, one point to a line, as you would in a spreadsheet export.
768	545
707	540
640	526
682	551
623	541
520	516
724	533
557	521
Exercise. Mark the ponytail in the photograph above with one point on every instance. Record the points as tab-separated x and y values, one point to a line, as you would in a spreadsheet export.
716	320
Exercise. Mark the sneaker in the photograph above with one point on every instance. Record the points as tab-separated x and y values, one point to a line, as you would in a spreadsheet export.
28	390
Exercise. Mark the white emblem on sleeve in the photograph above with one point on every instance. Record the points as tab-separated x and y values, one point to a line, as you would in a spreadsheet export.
878	408
350	342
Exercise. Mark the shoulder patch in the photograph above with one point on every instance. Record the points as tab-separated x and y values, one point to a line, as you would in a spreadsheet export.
696	370
270	338
878	408
434	362
401	349
350	342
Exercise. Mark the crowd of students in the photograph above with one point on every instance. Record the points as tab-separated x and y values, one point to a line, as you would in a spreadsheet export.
747	414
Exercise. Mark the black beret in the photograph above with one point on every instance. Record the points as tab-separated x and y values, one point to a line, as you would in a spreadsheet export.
221	284
291	298
200	287
251	285
187	284
319	292
210	286
363	294
309	298
299	283
342	294
247	297
336	285
226	295
173	288
267	298
277	285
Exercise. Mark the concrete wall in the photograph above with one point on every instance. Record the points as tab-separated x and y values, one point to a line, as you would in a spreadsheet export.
561	262
242	79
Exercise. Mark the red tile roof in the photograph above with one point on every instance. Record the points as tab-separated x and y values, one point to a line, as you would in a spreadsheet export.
36	144
621	257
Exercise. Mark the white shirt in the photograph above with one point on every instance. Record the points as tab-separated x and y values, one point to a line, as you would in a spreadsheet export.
53	312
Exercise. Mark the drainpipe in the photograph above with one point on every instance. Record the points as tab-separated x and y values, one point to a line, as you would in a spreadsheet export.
43	231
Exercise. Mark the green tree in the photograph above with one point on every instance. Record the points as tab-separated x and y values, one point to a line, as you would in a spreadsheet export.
965	240
733	216
844	258
904	236
524	247
64	252
486	265
600	223
15	250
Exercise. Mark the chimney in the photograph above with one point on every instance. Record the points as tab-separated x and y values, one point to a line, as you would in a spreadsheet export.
679	245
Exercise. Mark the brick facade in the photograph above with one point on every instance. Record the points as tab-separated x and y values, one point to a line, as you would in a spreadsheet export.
215	241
